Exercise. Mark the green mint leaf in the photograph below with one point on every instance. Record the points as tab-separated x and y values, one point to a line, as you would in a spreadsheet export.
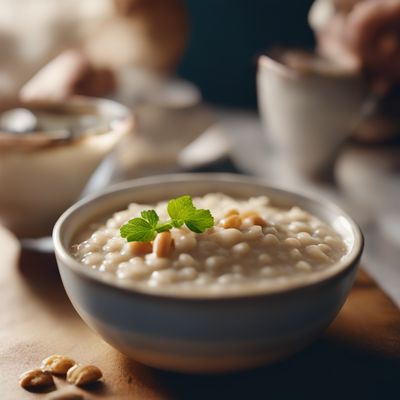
182	212
199	221
151	217
180	209
138	230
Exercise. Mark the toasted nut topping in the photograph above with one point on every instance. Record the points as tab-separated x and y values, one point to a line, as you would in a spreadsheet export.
64	395
257	220
247	214
141	248
36	379
57	364
234	221
83	374
231	212
163	244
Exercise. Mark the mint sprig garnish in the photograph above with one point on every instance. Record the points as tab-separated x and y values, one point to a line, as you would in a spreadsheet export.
181	211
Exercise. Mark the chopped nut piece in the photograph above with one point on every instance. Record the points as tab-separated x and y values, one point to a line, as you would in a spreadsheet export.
163	244
141	248
234	221
36	379
83	374
57	364
257	220
247	214
231	212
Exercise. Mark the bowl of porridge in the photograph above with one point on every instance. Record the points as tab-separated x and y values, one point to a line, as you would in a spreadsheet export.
206	273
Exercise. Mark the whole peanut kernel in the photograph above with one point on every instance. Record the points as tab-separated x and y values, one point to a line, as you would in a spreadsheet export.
57	364
163	244
36	379
83	374
141	248
234	221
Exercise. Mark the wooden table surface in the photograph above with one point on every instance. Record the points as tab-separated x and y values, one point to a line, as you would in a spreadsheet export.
358	357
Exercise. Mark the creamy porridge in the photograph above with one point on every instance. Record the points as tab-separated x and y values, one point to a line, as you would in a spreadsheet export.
251	246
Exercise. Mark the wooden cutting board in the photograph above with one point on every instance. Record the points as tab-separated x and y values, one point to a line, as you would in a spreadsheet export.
358	357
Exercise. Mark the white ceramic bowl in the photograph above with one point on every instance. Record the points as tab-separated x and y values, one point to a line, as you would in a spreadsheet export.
41	175
214	334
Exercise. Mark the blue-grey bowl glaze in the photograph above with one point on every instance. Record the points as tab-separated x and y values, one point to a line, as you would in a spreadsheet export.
204	334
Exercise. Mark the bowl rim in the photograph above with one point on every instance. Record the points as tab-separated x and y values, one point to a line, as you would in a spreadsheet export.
124	120
270	61
335	271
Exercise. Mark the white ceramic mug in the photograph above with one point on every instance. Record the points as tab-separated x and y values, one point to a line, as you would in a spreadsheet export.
308	112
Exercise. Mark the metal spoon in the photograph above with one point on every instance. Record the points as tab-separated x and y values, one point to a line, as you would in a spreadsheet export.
18	120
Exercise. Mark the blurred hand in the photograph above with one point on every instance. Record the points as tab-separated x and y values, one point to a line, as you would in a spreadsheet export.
373	31
361	34
67	74
328	19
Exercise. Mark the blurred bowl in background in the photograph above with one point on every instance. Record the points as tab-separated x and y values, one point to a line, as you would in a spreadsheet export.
309	106
48	151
